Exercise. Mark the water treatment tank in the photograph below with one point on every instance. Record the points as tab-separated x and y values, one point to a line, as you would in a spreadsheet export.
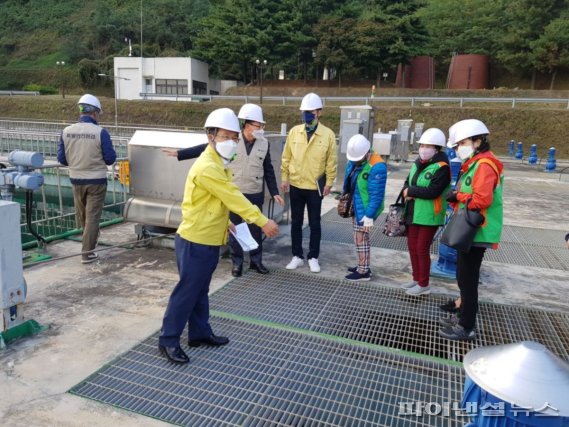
468	72
419	73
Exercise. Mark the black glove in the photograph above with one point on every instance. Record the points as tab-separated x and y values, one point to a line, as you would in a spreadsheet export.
451	197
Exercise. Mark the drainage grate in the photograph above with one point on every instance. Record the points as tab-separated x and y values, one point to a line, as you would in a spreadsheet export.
273	377
380	315
520	245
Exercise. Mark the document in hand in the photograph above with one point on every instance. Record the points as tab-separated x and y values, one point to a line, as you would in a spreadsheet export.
244	237
320	183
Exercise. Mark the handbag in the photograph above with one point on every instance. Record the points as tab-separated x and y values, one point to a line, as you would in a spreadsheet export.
346	200
394	223
461	229
346	205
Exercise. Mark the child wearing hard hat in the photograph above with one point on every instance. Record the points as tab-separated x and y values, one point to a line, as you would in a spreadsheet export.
365	178
209	195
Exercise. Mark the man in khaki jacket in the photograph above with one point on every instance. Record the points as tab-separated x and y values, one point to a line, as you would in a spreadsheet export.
309	161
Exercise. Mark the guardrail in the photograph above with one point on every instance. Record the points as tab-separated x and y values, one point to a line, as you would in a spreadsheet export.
412	100
54	212
19	92
44	142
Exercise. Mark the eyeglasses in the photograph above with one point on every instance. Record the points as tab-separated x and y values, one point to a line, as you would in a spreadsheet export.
258	126
227	138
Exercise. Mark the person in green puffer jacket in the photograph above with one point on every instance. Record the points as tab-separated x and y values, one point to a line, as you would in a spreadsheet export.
425	209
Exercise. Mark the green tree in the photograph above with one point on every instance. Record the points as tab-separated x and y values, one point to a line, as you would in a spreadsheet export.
551	50
335	37
227	40
469	26
525	21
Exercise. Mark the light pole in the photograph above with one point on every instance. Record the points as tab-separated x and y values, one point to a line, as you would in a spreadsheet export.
116	96
260	65
314	61
60	65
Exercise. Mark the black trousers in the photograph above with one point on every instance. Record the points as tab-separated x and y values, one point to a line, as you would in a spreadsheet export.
468	275
300	198
235	249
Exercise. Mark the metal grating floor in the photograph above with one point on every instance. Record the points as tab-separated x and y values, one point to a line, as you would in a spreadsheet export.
269	376
525	246
379	315
311	351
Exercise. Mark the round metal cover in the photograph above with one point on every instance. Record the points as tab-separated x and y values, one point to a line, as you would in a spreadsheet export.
526	374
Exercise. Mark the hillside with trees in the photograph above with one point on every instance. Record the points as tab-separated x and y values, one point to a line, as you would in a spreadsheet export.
358	39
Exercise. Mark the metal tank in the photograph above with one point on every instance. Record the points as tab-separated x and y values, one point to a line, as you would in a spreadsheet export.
157	181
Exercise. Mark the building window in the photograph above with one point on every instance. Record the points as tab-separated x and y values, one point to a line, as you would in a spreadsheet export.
199	88
213	92
171	87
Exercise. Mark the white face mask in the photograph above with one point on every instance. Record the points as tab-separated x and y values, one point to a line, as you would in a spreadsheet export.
427	153
226	149
465	151
258	133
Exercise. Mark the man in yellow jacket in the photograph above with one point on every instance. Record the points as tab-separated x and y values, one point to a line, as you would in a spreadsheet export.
308	170
209	195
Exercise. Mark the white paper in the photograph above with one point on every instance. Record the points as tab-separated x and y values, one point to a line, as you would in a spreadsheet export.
244	237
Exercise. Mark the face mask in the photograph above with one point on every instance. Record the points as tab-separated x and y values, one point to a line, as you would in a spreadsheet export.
308	117
226	149
464	152
258	133
426	153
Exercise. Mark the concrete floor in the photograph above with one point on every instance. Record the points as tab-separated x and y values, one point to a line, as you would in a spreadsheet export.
98	311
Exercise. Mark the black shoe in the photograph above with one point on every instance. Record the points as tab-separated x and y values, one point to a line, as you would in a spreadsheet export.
457	333
212	340
354	269
237	270
259	268
450	306
450	321
174	354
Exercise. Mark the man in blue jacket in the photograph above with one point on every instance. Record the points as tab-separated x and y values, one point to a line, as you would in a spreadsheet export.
87	149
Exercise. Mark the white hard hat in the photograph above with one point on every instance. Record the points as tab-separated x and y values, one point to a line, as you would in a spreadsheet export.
251	112
433	136
311	102
469	128
451	143
90	100
358	147
223	118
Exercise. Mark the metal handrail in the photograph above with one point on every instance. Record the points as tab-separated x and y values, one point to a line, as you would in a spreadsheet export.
58	216
562	171
288	100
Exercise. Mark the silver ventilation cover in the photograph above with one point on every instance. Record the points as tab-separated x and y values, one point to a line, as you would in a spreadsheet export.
526	374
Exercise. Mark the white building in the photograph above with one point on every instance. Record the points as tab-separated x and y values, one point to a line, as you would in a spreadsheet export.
165	79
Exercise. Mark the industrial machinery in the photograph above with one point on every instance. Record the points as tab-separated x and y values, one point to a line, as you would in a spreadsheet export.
13	287
157	181
354	119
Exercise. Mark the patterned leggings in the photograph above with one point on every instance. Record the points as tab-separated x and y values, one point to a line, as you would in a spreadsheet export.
362	242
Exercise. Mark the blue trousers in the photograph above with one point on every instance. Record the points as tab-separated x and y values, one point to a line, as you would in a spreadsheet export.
189	301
